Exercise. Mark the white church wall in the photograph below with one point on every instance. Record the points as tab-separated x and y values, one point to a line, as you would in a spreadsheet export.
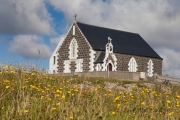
53	63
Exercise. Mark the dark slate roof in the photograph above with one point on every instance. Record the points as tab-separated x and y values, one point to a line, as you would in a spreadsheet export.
123	42
100	57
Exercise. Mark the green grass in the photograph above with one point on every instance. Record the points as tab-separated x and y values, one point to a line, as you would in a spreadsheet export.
38	96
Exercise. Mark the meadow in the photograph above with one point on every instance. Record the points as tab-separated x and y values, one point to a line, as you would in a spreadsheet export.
33	95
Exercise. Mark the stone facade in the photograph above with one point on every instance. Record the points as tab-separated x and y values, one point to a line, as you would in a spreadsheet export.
83	51
88	55
142	62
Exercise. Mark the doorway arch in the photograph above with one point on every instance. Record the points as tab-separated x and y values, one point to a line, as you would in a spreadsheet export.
109	66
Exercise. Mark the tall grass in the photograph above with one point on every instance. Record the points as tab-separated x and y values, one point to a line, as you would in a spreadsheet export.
38	96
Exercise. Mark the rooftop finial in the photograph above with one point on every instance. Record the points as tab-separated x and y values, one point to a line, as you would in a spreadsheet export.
109	40
75	17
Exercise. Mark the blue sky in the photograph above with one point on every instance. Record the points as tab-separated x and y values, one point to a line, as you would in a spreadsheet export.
27	27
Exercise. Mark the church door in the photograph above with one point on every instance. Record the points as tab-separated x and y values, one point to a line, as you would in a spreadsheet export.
110	67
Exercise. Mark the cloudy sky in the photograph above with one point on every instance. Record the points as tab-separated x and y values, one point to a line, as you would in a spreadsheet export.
31	29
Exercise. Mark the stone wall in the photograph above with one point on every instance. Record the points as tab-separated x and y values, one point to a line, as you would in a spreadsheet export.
125	75
142	62
166	79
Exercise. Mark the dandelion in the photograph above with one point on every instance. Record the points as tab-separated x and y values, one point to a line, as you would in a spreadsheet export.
57	91
26	111
7	87
58	104
168	101
53	108
63	97
142	103
170	113
118	105
113	113
71	117
178	96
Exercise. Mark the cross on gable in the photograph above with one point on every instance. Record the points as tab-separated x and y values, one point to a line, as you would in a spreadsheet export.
109	40
75	17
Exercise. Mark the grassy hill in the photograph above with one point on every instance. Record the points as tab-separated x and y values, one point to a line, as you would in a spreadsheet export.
38	96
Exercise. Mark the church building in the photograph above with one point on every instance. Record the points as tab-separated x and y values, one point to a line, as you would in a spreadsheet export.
89	48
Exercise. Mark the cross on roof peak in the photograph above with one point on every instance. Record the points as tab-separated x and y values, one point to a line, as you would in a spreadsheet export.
109	39
75	17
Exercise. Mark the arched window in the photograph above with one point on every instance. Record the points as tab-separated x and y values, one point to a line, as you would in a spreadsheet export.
132	65
73	49
150	68
98	67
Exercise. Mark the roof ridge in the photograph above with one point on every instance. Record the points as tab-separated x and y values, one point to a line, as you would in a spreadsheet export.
107	28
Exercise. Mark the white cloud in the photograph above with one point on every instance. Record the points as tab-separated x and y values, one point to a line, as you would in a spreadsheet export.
54	41
30	46
57	39
158	22
24	17
171	64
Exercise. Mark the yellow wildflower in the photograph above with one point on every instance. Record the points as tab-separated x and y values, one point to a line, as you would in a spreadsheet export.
53	108
26	111
113	113
58	104
118	105
142	103
170	113
71	117
168	101
63	97
178	96
7	87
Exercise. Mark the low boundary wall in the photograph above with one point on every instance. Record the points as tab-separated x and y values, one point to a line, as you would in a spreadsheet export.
167	80
112	74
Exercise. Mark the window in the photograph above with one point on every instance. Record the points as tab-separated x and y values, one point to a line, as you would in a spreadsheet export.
73	49
73	30
54	60
150	68
132	65
98	67
79	65
67	66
